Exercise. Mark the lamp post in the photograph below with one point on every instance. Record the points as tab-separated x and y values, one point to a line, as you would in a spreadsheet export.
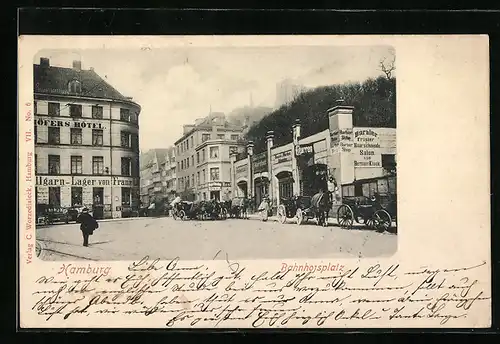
250	146
270	143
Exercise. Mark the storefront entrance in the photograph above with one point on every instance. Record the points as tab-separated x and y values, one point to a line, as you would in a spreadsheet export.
285	184
242	189
261	189
215	195
313	179
98	204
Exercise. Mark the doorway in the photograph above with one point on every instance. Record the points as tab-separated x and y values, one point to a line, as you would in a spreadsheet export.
215	195
98	204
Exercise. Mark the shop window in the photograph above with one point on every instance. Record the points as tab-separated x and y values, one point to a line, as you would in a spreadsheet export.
126	164
382	186
391	185
98	165
125	139
214	152
205	137
53	109
97	112
76	196
54	135
97	137
75	110
54	164
126	196
286	189
125	115
98	195
214	174
76	164
76	136
55	196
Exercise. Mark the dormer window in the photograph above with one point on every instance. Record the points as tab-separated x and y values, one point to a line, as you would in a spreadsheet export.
75	86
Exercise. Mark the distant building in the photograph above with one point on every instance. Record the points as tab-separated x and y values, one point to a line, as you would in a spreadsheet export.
86	142
203	168
287	91
158	175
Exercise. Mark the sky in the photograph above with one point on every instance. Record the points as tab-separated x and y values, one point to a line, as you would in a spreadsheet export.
175	86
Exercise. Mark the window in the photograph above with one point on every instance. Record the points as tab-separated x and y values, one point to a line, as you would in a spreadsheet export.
134	142
234	137
192	141
74	86
389	162
187	181
76	136
75	110
125	115
192	179
348	191
35	107
214	152
97	165
220	136
54	164
97	137
55	196
198	178
197	157
134	118
233	150
192	160
54	135
76	164
36	163
205	137
36	134
187	162
182	164
54	109
125	139
126	196
126	164
97	112
203	155
76	196
214	174
203	176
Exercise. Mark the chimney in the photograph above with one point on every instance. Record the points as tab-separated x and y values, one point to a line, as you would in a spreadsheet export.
77	65
44	62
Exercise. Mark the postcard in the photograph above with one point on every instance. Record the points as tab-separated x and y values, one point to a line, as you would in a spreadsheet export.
254	182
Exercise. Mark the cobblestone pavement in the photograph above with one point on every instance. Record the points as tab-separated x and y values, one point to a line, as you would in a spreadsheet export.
165	238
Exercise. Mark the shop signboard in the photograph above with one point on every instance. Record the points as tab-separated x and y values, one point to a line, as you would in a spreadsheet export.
341	140
84	181
370	144
241	171
282	158
259	162
82	124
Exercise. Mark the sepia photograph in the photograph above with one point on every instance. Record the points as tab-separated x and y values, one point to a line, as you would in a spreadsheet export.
261	152
252	182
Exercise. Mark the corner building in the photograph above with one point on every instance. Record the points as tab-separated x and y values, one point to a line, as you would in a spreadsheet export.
86	142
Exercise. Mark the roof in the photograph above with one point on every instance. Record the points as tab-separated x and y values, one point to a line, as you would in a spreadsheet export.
161	154
54	80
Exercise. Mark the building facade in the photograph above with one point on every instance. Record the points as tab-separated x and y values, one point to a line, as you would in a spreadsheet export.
203	158
158	175
86	142
355	157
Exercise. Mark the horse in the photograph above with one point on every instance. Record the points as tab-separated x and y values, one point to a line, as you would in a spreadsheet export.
321	204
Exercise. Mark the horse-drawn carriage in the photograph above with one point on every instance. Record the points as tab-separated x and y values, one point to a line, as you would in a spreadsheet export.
200	210
304	208
376	210
237	207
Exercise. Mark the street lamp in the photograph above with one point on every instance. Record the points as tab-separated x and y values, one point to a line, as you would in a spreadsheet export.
250	171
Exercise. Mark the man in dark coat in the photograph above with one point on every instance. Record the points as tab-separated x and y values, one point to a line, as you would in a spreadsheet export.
87	225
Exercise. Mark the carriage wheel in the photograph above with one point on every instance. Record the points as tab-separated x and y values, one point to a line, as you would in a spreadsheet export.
381	220
281	214
182	215
345	216
300	216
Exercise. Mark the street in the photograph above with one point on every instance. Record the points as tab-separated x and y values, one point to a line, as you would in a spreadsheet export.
165	238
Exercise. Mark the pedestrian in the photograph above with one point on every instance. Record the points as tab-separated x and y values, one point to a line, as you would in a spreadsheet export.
87	225
264	208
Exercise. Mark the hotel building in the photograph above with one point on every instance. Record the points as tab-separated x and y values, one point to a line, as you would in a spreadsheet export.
86	142
203	158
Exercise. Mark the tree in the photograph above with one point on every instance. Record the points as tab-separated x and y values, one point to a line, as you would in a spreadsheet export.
388	67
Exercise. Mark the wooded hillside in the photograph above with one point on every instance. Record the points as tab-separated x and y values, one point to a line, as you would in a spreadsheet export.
374	102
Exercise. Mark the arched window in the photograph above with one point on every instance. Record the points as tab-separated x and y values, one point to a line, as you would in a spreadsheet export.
74	86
